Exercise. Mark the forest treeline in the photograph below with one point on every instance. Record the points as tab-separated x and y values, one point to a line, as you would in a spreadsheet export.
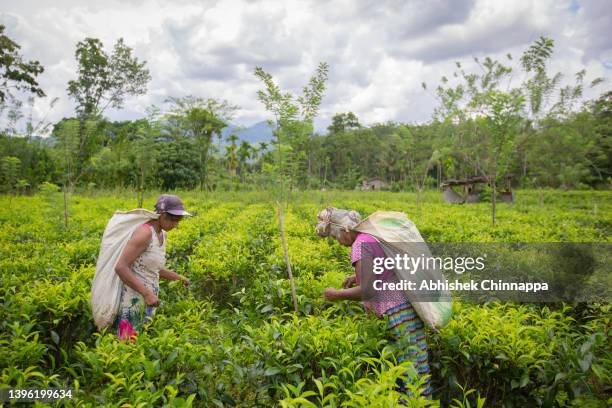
486	124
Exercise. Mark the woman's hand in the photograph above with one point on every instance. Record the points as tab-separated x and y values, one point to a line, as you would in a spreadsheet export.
349	281
151	299
173	276
330	294
353	293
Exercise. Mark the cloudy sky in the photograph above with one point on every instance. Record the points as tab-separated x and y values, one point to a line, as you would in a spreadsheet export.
379	52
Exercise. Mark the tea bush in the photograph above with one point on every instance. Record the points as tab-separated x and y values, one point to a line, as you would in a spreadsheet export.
504	346
232	338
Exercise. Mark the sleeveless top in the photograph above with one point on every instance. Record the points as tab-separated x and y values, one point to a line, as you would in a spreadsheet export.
146	267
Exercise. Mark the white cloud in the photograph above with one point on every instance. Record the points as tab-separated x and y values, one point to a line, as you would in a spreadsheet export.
379	53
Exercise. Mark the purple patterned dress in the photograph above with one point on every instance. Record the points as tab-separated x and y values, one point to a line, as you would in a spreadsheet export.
405	326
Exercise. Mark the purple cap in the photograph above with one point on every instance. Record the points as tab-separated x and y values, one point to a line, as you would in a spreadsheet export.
170	204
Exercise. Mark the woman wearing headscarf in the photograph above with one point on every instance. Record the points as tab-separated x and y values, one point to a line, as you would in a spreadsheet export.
142	263
405	327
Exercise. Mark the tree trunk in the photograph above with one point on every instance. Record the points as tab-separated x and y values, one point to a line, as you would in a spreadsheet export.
204	153
117	171
280	171
309	170
291	282
418	198
202	170
141	187
65	207
325	175
493	200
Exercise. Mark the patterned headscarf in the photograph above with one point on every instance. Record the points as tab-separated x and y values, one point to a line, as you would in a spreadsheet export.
333	220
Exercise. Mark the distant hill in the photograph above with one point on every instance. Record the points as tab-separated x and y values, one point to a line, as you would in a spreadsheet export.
257	132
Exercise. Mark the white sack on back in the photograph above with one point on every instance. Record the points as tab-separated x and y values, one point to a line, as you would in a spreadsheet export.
106	286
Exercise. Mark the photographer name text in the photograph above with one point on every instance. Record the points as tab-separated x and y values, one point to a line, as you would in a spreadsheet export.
472	285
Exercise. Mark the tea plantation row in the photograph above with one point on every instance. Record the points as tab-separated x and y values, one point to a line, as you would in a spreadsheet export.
231	338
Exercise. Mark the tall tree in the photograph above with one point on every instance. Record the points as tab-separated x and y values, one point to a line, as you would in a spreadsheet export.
9	173
179	165
601	110
18	78
105	80
545	98
502	123
245	152
342	122
199	119
146	153
231	155
293	117
294	122
15	73
487	102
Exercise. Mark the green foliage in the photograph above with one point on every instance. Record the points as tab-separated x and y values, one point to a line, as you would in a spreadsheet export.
376	390
568	152
342	122
525	355
536	56
484	124
14	71
178	165
37	162
230	339
9	171
77	140
199	120
103	79
293	124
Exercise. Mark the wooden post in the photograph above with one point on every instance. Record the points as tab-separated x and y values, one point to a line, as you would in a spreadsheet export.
291	282
65	207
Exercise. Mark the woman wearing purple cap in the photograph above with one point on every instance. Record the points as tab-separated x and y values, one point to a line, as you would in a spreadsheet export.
142	264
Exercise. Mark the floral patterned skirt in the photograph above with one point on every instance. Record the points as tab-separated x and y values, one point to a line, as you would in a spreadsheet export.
133	313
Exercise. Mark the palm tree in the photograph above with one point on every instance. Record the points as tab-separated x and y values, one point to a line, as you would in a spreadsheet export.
244	154
263	149
231	158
